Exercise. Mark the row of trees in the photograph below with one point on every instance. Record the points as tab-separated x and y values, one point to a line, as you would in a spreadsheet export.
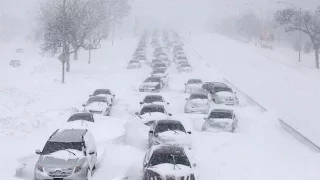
68	25
289	20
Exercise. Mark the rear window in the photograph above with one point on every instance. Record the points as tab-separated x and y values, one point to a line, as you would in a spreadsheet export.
194	81
169	126
219	115
101	91
198	96
151	99
152	110
86	117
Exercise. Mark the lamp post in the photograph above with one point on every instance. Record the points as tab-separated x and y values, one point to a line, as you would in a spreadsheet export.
300	32
261	10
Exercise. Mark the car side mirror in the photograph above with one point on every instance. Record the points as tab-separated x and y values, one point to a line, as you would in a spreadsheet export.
150	132
194	164
110	105
141	103
83	105
91	152
205	118
189	132
168	103
90	95
137	113
38	151
170	114
187	98
114	95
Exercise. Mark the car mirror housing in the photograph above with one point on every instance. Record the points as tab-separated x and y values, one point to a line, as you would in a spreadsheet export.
137	113
170	114
91	152
38	151
150	132
189	132
168	103
141	103
83	105
194	164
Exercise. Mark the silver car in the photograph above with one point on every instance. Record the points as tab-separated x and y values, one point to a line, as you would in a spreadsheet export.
197	103
193	85
68	154
220	120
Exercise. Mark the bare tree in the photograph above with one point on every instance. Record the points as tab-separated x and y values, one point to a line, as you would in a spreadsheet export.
306	21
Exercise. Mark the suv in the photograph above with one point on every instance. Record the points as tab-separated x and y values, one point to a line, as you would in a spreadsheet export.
68	154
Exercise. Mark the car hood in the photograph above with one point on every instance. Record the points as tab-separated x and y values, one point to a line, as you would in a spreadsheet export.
157	103
158	74
62	158
217	125
173	137
153	116
168	169
197	102
225	94
149	84
97	106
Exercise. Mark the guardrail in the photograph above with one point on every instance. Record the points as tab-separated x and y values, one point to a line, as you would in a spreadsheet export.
283	124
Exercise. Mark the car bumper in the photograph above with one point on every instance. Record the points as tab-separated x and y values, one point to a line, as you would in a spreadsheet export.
81	175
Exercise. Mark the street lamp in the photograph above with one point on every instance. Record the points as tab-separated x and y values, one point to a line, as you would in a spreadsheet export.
300	32
260	8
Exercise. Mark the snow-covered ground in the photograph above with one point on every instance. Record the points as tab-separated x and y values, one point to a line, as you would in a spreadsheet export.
273	78
36	104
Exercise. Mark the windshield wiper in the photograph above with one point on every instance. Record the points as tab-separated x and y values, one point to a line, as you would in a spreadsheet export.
70	152
175	132
174	162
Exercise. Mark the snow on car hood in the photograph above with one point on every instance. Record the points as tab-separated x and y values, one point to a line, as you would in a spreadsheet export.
198	101
149	84
159	74
174	137
168	169
97	106
157	103
225	94
221	120
63	157
153	116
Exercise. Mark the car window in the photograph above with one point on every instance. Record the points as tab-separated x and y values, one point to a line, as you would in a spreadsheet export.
151	99
194	81
152	80
162	127
145	110
218	115
101	91
168	157
198	96
52	147
97	101
219	89
86	117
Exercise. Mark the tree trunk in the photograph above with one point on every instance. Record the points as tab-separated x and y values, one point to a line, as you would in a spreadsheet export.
112	32
76	54
67	59
63	63
89	62
317	58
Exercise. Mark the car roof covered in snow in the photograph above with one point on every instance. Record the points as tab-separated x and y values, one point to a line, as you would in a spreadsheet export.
68	135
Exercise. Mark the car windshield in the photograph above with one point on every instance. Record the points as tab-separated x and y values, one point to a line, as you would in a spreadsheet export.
157	71
101	91
198	96
152	80
219	89
220	115
149	109
86	117
169	126
96	100
151	99
52	147
169	157
194	81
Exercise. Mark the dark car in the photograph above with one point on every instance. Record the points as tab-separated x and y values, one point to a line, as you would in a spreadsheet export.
81	116
157	159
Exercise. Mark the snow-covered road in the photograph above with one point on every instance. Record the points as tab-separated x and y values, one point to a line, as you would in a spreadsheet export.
259	149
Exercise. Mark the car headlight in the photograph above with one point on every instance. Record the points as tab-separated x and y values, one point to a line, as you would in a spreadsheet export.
39	168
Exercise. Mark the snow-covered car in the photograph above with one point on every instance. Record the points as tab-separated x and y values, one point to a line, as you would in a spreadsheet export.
105	93
155	61
185	68
81	117
168	132
197	103
68	154
163	74
152	112
221	93
219	120
152	84
98	105
134	64
167	162
193	85
154	99
15	63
